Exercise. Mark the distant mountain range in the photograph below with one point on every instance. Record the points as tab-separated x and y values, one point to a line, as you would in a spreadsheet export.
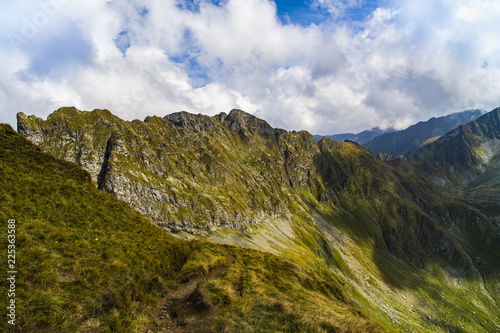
361	137
466	159
400	142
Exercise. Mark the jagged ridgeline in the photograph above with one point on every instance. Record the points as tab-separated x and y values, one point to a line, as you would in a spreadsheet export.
199	173
400	246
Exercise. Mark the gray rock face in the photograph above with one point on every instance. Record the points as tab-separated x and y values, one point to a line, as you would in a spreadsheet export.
173	169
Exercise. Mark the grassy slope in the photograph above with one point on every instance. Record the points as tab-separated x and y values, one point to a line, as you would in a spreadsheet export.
86	261
263	293
80	252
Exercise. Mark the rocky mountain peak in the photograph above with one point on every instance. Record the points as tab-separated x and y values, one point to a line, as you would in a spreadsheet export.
246	124
195	123
29	126
242	116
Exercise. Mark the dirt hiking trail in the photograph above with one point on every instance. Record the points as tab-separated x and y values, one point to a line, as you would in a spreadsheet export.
186	310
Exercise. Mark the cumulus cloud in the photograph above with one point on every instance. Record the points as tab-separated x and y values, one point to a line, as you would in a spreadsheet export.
405	62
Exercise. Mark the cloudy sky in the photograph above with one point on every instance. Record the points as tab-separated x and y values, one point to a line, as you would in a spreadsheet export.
327	66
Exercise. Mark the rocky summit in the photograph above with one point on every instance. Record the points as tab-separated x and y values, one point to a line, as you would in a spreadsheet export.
409	252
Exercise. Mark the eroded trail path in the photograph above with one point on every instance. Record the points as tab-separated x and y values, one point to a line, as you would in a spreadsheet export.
186	309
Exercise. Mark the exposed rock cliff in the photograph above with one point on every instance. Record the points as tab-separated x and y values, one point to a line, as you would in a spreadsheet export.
235	165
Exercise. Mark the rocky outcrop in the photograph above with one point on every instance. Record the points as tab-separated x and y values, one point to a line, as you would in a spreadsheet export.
158	166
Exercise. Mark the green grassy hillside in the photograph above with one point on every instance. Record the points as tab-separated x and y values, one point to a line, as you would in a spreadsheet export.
81	254
86	262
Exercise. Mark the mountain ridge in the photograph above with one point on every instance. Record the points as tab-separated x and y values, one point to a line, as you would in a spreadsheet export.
234	179
298	162
463	156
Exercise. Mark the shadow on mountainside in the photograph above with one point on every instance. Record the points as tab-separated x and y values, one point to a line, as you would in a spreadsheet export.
406	219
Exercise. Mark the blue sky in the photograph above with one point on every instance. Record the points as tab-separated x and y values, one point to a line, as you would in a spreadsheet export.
307	12
300	12
326	66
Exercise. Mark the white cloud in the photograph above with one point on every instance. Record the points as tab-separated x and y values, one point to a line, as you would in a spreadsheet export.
405	63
